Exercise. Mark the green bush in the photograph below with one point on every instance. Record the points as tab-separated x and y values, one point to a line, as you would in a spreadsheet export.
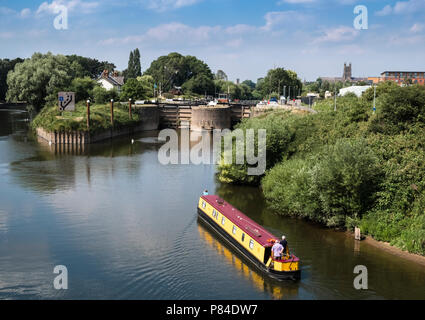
277	141
83	88
398	108
338	183
287	189
101	95
346	178
350	167
134	90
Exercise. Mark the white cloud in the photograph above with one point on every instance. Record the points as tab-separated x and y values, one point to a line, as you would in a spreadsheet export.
282	18
164	5
72	5
6	35
176	32
417	27
339	34
351	49
240	29
402	7
402	40
6	11
169	32
295	1
385	11
25	13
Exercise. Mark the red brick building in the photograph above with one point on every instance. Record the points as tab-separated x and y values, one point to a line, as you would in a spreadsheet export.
402	77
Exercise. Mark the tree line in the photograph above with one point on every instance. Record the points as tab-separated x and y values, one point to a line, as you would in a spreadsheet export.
37	80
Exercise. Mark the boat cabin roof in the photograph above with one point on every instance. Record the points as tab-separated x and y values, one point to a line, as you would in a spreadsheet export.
250	227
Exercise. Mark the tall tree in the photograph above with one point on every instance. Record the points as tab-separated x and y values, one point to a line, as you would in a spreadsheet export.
221	75
134	68
39	79
275	81
6	65
176	69
137	64
88	67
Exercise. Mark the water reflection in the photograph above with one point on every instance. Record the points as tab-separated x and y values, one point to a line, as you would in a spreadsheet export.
277	290
125	225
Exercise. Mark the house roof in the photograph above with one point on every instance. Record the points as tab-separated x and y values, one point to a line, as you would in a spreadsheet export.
116	81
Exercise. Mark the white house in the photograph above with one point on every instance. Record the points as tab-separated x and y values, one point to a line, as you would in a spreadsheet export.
110	82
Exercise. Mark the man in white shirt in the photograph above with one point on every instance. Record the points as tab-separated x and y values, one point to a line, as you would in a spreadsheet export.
277	250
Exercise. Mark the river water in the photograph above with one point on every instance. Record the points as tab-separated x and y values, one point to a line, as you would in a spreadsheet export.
126	227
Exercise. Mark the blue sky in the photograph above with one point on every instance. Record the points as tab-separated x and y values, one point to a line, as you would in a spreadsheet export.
242	37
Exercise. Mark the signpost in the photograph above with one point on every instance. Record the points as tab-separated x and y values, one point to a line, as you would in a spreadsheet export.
66	101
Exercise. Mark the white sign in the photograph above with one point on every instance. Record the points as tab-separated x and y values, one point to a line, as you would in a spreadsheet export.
66	101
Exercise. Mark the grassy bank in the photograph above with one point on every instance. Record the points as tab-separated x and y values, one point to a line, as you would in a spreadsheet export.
349	167
51	119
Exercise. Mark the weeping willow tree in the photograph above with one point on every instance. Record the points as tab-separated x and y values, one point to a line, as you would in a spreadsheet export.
38	80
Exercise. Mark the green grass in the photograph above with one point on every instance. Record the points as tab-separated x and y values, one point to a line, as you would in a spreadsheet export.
51	119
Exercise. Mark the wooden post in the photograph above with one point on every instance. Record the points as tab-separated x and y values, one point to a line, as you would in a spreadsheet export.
357	234
129	109
112	112
88	114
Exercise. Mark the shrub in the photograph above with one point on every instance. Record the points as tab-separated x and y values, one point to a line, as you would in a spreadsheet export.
133	89
335	184
101	95
278	138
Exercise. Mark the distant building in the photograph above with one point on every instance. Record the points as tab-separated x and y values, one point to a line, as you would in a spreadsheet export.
110	82
346	76
177	91
357	90
347	73
402	77
328	95
374	80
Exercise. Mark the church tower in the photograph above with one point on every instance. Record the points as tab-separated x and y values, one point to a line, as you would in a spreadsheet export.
347	72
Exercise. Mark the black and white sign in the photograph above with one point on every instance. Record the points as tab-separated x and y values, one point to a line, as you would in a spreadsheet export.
66	101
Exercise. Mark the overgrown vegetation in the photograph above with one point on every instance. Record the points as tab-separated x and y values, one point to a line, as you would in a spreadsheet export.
349	167
51	119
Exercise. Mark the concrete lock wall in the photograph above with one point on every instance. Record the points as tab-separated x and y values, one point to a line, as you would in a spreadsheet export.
149	121
149	117
209	118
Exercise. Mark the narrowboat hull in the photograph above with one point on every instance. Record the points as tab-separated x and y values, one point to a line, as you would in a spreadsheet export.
277	275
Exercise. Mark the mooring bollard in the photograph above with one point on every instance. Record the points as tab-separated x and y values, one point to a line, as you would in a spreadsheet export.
129	109
112	112
88	114
357	234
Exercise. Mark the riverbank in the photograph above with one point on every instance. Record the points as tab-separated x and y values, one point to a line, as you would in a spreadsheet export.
51	119
349	167
386	246
71	127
